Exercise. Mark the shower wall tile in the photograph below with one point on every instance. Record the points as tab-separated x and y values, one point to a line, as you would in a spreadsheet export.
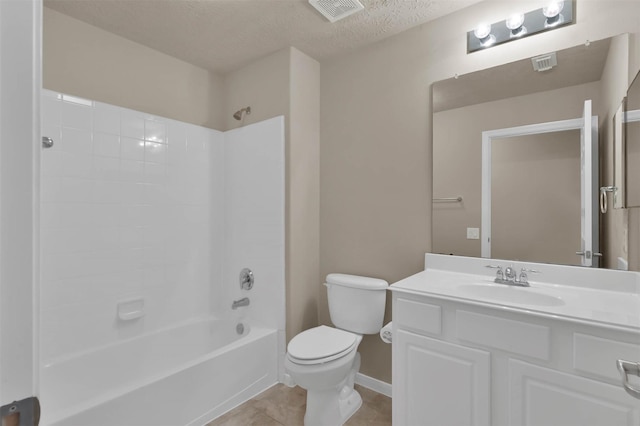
106	118
155	173
125	212
77	141
132	124
77	115
177	133
106	168
155	152
107	192
131	170
106	145
131	149
155	131
65	190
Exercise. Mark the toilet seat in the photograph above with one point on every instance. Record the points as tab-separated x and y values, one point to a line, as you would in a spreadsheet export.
321	344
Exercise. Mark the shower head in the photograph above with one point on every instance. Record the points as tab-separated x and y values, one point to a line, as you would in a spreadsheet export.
238	114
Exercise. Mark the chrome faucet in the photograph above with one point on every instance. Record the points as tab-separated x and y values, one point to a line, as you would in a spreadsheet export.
509	277
510	274
240	302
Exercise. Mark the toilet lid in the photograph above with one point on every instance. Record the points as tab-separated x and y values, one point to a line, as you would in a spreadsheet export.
320	343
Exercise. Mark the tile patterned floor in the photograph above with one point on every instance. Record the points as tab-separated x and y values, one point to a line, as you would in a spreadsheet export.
284	406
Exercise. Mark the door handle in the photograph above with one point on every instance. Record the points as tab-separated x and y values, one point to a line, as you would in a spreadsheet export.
626	368
586	254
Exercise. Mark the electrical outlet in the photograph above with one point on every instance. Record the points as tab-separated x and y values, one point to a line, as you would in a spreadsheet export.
473	233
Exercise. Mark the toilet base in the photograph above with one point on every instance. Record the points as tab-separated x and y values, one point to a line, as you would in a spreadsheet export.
350	404
334	406
331	408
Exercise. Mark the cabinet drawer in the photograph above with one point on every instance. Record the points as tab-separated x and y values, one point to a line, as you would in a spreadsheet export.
513	336
421	317
596	356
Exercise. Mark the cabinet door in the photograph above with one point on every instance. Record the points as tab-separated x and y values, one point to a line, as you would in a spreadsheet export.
539	396
439	383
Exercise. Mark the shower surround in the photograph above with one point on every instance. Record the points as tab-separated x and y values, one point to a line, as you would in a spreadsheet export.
146	223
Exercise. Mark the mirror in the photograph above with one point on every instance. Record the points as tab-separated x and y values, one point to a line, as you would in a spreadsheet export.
631	137
508	96
548	216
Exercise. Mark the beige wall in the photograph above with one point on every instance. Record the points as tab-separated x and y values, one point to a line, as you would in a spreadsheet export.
83	60
375	156
287	83
457	151
263	85
304	190
535	198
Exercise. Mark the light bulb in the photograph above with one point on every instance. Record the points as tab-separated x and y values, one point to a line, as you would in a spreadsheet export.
553	9
482	31
514	21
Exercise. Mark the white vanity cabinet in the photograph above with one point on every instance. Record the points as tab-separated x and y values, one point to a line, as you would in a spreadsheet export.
458	362
463	375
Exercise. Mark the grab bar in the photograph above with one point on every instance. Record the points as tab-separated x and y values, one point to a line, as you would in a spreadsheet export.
457	199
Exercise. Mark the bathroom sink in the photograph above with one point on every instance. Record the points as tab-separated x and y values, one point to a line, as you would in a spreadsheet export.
509	294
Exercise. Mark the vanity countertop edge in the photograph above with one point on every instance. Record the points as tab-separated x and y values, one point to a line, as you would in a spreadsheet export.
603	298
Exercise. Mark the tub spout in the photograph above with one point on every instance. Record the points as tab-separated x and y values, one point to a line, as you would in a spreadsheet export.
241	302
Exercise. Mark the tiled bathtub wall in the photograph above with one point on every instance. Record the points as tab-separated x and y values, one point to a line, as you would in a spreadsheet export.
132	207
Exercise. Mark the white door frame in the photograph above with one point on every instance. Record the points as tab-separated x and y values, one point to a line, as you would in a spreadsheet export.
556	126
20	141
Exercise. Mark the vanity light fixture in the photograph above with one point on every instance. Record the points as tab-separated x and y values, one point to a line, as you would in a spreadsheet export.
483	33
515	23
552	13
519	25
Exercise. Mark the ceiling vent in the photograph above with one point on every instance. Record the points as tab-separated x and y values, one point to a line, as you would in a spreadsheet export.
334	10
544	62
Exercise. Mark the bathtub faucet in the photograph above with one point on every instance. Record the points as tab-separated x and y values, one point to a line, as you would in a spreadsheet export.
241	302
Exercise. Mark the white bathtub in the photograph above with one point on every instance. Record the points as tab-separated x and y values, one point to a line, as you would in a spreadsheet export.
186	375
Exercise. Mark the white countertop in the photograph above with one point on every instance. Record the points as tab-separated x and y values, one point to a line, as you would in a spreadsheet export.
598	297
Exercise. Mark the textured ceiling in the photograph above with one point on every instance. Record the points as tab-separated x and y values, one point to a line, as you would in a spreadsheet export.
577	65
223	35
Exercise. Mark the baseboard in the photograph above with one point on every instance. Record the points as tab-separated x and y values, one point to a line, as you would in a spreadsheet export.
374	384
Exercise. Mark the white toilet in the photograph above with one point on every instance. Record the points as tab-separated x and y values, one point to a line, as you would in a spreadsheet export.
324	360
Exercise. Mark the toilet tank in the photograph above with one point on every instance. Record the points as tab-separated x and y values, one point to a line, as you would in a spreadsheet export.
356	303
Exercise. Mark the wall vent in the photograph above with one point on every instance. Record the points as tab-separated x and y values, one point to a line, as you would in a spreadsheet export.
335	10
544	62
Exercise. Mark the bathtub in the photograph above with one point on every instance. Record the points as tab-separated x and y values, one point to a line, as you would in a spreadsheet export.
184	375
